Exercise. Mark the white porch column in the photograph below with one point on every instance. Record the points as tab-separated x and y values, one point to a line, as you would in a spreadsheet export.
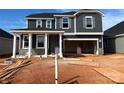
19	42
45	55
97	51
60	45
30	45
14	47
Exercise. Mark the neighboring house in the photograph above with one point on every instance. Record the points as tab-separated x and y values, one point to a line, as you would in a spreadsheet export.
6	42
114	39
66	32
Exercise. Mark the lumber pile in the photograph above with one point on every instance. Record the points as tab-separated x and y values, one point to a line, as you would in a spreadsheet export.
8	72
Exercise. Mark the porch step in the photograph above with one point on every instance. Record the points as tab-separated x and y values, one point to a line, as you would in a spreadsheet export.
114	75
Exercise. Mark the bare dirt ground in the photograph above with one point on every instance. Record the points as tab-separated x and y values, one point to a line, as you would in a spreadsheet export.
70	71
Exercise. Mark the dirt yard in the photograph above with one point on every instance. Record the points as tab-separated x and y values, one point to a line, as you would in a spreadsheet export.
77	71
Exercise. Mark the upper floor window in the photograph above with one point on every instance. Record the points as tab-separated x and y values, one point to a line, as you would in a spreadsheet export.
38	23
88	22
65	22
48	24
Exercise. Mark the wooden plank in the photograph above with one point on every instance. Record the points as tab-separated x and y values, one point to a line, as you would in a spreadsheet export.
9	75
114	75
84	63
12	69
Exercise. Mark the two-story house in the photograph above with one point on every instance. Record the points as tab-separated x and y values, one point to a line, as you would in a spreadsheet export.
66	32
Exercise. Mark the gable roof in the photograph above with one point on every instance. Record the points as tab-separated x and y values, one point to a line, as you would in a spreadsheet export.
71	13
5	34
48	15
115	30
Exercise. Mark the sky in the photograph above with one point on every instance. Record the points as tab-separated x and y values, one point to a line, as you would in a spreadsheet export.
15	18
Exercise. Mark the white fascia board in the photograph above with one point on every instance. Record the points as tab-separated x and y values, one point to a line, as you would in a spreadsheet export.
64	15
40	18
82	39
35	31
85	33
119	35
88	11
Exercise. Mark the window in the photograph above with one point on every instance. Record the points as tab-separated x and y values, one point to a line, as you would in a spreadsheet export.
25	41
88	22
48	24
40	40
65	23
38	23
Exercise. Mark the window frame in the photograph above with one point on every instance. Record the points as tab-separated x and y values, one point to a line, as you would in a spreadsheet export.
65	22
38	23
85	23
23	44
49	24
37	47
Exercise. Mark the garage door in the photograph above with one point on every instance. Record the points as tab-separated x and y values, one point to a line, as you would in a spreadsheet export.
88	47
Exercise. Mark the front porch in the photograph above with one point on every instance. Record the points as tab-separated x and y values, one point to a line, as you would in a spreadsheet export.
41	43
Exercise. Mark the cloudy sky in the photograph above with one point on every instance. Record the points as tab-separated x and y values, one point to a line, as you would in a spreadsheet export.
10	19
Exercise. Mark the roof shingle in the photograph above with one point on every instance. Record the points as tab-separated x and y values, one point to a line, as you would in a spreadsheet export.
5	34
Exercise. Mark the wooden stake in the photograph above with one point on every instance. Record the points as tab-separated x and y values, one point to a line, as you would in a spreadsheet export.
56	69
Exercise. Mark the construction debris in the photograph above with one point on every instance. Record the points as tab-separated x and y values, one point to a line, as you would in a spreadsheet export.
8	72
8	61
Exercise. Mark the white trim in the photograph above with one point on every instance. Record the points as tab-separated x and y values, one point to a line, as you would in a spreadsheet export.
45	55
55	23
102	45
89	11
30	45
97	52
37	42
65	22
60	45
36	31
81	11
40	18
23	42
81	39
19	42
26	23
49	24
64	15
119	35
14	47
85	33
75	28
37	23
85	23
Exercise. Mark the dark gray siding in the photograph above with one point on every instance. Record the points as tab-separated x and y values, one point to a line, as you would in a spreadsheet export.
59	25
31	23
80	22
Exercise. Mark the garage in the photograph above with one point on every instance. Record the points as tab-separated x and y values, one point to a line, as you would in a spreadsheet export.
80	46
